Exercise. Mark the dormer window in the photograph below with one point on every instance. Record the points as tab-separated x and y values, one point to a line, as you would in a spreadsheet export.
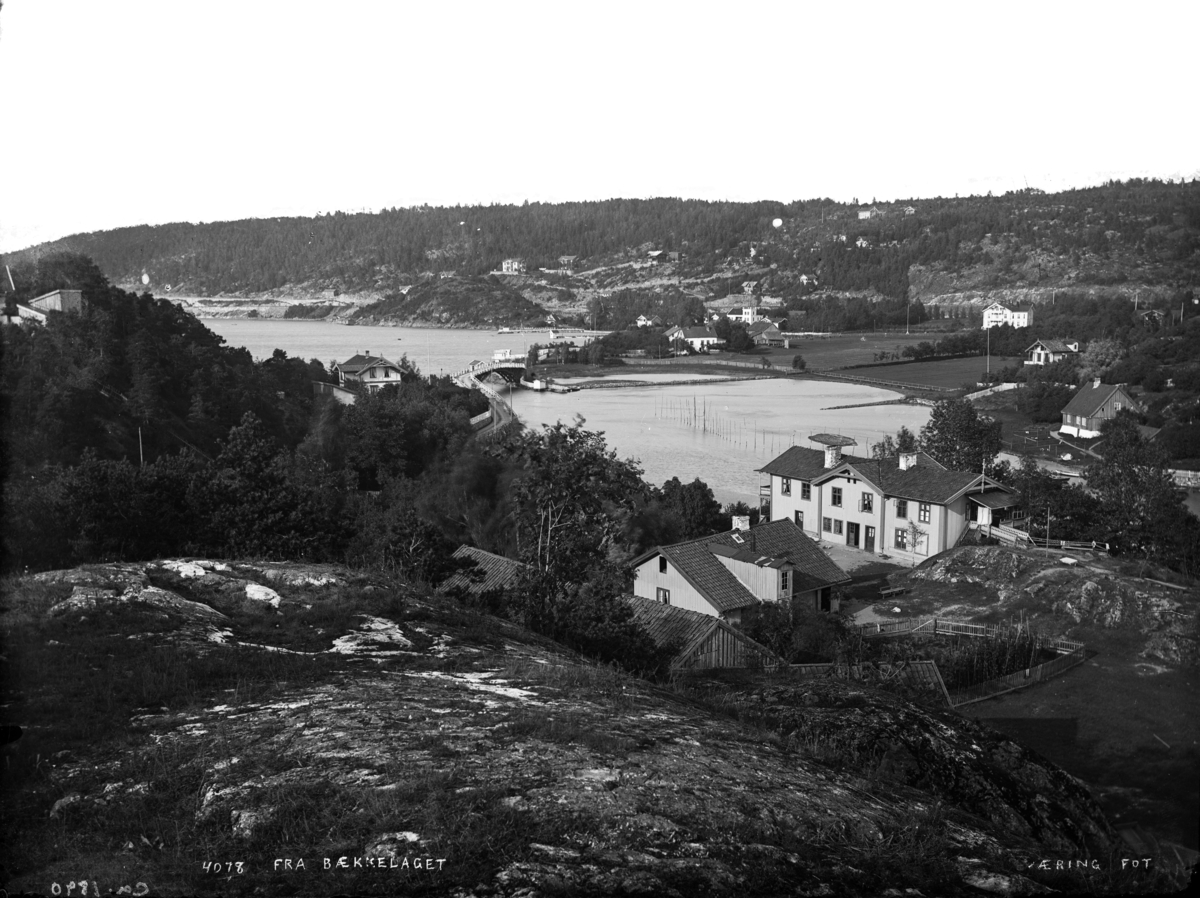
785	582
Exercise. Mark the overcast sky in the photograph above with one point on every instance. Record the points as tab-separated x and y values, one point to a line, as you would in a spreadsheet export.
126	112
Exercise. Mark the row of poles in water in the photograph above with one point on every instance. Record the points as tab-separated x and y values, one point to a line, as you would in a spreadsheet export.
741	432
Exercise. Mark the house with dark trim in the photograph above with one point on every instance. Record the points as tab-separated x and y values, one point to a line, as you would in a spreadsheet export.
724	574
702	642
908	506
1094	404
1047	352
370	371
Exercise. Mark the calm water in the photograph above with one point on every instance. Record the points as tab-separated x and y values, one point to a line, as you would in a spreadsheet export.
745	424
432	350
721	432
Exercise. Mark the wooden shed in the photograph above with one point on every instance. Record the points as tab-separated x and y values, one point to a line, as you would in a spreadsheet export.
704	641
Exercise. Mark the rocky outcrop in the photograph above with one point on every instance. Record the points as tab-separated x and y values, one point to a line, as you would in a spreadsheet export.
402	731
1091	592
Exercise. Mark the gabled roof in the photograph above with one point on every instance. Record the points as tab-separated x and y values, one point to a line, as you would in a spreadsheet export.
358	363
1090	398
669	625
696	333
802	463
760	326
490	572
777	544
1055	345
924	481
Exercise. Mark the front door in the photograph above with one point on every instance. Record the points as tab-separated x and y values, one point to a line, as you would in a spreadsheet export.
852	534
869	545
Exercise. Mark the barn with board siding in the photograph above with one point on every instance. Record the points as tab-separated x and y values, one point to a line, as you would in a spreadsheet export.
704	642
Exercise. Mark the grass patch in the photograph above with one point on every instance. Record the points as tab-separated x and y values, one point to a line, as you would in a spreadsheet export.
567	728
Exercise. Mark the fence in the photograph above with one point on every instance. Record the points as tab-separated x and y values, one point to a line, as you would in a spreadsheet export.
878	381
1018	680
935	626
999	388
1069	654
1188	479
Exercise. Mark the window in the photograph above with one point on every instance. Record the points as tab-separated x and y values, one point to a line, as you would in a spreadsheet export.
827	524
664	596
901	538
1116	406
835	497
785	485
806	491
902	509
785	582
662	564
800	519
837	526
868	502
923	512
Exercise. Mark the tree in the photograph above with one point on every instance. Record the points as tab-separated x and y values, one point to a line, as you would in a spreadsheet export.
1143	508
1098	357
693	506
569	498
958	438
798	363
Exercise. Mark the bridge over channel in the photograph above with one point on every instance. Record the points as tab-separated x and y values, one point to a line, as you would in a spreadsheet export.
473	377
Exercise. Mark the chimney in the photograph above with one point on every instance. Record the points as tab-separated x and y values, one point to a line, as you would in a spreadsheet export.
833	455
1096	382
907	460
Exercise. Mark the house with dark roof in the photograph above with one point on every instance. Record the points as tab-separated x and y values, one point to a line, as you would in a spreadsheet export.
1094	404
701	641
1047	352
699	338
765	333
489	573
909	506
370	371
724	574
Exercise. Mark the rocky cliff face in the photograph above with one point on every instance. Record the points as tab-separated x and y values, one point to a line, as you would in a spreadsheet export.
323	732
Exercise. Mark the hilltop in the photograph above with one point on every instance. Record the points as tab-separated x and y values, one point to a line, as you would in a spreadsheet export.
950	255
180	713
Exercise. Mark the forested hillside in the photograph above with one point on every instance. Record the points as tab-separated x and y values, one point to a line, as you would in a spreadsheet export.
1137	236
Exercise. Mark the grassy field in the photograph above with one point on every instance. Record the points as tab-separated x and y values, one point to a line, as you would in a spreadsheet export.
841	350
935	373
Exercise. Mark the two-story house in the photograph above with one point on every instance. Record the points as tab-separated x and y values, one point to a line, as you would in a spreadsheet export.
371	371
1094	404
1047	352
909	505
726	573
998	313
512	266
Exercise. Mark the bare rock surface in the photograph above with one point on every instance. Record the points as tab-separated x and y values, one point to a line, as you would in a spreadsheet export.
422	734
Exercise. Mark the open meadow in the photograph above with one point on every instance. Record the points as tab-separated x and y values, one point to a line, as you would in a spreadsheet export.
950	373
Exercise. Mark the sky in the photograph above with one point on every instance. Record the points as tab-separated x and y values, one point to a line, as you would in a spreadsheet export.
133	112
